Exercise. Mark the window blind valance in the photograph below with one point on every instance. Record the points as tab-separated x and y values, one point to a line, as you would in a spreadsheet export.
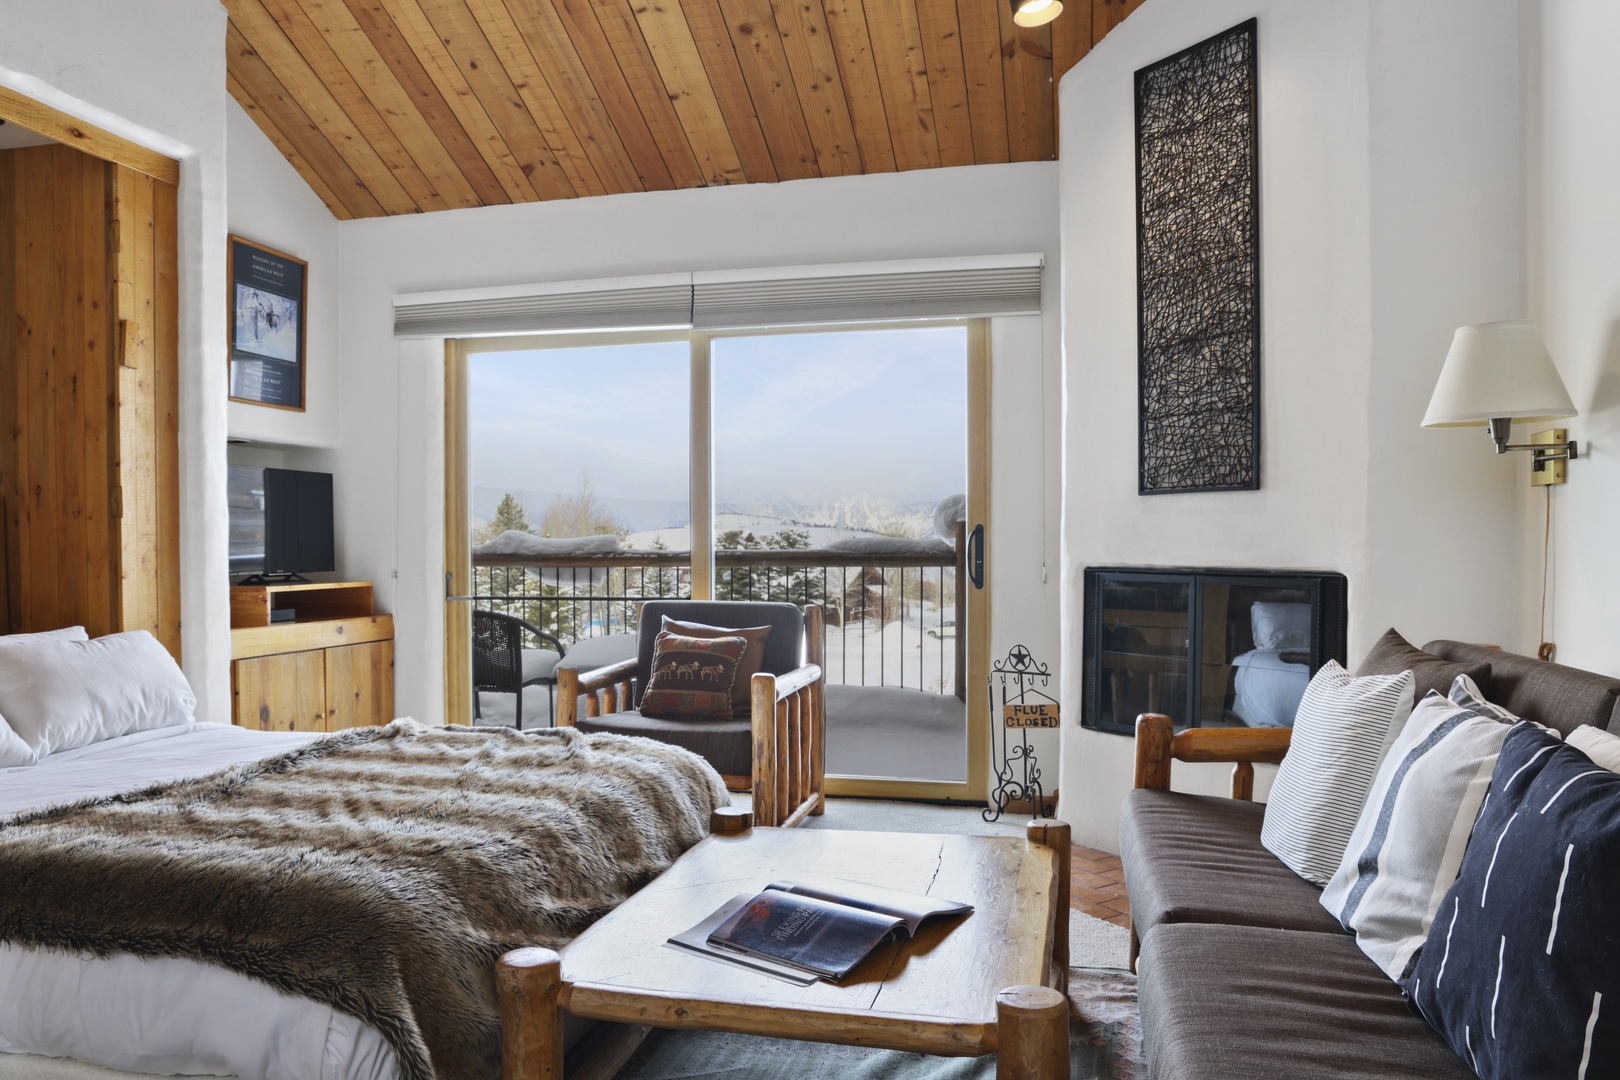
717	300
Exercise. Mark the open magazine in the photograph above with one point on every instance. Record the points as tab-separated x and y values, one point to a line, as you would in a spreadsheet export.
802	931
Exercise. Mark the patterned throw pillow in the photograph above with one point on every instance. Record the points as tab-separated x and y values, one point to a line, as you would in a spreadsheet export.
1410	840
752	662
1521	972
692	677
1340	731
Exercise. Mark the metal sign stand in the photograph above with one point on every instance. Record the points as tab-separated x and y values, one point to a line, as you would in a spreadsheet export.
1022	707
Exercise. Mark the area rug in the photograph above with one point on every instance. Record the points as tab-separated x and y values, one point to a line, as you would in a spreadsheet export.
1105	1043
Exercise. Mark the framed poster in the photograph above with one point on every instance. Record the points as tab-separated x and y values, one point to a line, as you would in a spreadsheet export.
268	296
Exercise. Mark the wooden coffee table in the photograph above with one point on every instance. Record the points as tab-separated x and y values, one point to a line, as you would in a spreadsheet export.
989	981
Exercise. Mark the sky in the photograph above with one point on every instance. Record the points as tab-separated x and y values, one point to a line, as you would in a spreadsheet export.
809	417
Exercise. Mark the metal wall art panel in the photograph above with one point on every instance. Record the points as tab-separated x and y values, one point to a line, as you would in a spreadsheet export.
1198	267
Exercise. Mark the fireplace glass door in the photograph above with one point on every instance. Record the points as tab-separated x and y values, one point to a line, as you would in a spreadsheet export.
1209	648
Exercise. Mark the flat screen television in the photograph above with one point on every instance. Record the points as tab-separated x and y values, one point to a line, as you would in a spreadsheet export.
281	522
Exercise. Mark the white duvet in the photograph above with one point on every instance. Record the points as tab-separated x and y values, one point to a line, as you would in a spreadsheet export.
164	1016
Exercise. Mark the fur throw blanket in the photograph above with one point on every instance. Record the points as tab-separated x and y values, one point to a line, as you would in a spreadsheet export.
381	871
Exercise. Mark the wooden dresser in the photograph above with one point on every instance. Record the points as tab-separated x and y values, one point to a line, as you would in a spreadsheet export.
332	668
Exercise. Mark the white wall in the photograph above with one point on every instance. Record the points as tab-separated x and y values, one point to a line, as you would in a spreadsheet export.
1573	221
271	204
1380	232
390	462
154	73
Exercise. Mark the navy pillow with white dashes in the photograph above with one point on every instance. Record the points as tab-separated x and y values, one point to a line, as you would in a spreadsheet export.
1521	969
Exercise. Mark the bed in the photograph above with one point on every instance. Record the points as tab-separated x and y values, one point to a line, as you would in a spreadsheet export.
173	1011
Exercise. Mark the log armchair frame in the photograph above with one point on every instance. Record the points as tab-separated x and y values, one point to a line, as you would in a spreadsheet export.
789	716
1158	744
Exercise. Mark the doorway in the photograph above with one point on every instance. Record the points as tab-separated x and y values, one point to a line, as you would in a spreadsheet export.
842	466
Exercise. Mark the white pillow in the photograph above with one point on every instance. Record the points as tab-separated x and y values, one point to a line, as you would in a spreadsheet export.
13	751
1340	731
1284	627
1409	843
57	694
1597	744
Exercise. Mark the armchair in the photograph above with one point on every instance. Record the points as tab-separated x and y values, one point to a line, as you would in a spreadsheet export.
778	751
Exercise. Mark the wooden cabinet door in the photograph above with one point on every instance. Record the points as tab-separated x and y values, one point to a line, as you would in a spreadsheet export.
359	685
286	692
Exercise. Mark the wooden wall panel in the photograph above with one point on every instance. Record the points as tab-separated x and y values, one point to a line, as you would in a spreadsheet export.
145	319
8	390
89	428
60	539
402	106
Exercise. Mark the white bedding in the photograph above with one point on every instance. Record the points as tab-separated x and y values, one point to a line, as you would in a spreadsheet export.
164	1016
1267	689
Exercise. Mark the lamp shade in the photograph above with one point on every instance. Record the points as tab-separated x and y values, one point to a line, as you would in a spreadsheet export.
1035	12
1499	369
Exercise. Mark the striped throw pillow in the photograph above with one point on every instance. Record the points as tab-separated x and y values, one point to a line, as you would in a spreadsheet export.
1340	731
1414	829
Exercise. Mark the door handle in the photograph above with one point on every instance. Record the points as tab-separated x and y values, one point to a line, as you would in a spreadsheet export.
975	556
447	591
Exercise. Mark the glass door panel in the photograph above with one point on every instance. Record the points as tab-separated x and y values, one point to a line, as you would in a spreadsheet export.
833	453
577	453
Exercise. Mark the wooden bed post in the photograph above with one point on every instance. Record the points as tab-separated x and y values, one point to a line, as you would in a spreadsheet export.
531	1019
1032	1034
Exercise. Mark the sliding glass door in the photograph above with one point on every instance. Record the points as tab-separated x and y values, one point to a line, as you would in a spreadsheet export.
842	467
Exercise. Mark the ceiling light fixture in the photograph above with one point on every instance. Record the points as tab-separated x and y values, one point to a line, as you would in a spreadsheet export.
1035	12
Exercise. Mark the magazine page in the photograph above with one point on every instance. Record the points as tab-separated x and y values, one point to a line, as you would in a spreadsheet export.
911	908
826	938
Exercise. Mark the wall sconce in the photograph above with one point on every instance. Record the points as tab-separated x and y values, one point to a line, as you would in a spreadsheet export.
1500	372
1035	12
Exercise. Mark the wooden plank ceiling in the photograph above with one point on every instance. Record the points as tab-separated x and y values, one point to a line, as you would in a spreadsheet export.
404	106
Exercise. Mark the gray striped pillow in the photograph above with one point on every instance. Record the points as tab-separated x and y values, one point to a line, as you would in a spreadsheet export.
1410	840
1340	732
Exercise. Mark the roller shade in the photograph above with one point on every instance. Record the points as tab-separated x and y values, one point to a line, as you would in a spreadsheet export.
942	288
620	304
717	300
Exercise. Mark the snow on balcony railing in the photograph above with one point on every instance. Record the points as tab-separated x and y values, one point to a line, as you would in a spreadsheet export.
892	618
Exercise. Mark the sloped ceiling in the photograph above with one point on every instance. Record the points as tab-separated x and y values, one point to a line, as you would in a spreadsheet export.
404	106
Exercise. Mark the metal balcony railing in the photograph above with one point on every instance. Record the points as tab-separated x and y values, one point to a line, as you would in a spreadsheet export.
890	620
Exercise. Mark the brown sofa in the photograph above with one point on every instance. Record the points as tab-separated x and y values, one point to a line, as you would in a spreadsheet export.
1243	975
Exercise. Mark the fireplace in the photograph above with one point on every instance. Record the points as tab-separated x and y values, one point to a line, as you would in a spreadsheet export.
1209	648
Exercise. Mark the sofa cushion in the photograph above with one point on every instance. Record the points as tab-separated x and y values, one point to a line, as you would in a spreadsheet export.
1552	694
1523	953
1198	859
728	745
1412	833
1340	732
1393	654
1247	1003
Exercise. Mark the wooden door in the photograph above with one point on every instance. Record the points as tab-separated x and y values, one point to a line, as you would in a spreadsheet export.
284	692
89	434
359	685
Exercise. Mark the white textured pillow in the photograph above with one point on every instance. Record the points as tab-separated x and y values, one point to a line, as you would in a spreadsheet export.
1409	843
13	751
1280	626
1597	744
1340	731
58	694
